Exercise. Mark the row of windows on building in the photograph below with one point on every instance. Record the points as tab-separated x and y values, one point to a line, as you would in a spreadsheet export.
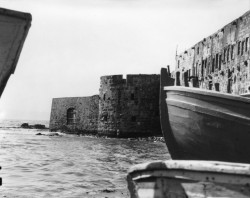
228	54
242	46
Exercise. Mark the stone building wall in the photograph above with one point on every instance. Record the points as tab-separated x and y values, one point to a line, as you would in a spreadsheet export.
111	88
124	108
219	62
75	114
129	107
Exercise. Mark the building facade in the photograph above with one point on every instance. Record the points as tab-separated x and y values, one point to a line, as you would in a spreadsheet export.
124	108
219	62
75	114
129	107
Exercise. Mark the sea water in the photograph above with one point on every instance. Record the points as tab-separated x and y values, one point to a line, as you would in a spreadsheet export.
67	165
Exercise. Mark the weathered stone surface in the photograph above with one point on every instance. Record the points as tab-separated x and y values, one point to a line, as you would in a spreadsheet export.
129	107
124	108
86	114
219	62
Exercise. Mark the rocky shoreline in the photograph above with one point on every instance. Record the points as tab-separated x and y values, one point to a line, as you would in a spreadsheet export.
40	126
35	126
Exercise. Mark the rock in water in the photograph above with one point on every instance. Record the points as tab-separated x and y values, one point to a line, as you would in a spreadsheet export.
36	126
25	125
39	126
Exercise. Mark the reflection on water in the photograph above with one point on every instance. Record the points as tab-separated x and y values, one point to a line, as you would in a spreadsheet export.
67	166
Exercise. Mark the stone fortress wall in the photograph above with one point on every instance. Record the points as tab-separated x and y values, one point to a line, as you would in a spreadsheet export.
129	107
124	108
219	62
75	114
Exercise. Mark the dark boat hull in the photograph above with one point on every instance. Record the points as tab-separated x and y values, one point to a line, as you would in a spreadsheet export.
166	179
166	80
14	27
207	125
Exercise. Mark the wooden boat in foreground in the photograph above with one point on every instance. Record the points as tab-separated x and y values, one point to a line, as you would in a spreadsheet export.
14	27
189	179
205	125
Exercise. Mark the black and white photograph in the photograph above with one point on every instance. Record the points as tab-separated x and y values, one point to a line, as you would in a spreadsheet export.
124	98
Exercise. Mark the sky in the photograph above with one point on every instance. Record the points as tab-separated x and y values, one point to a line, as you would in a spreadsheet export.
72	43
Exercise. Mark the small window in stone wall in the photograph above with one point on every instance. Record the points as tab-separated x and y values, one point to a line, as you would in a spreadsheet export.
245	63
133	118
210	85
232	52
104	96
220	62
217	61
239	48
217	86
202	68
132	97
71	116
228	53
213	64
246	46
242	47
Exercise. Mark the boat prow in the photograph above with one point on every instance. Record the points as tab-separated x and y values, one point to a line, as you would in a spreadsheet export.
192	179
14	27
166	80
208	125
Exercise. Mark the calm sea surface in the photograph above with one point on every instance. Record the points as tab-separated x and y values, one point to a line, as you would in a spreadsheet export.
67	166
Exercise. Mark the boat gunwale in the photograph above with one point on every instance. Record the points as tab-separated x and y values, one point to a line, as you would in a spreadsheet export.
216	113
17	14
205	92
193	165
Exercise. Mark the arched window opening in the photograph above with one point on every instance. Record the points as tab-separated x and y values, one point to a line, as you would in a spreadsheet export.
245	63
246	46
239	43
71	116
242	47
232	52
217	86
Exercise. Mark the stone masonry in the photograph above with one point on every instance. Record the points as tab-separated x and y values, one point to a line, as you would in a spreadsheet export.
129	107
124	108
75	114
219	62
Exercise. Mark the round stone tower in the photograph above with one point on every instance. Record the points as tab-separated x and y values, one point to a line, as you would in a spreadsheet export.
129	107
109	104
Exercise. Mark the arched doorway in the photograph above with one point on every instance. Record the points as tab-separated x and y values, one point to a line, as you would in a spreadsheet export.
71	116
